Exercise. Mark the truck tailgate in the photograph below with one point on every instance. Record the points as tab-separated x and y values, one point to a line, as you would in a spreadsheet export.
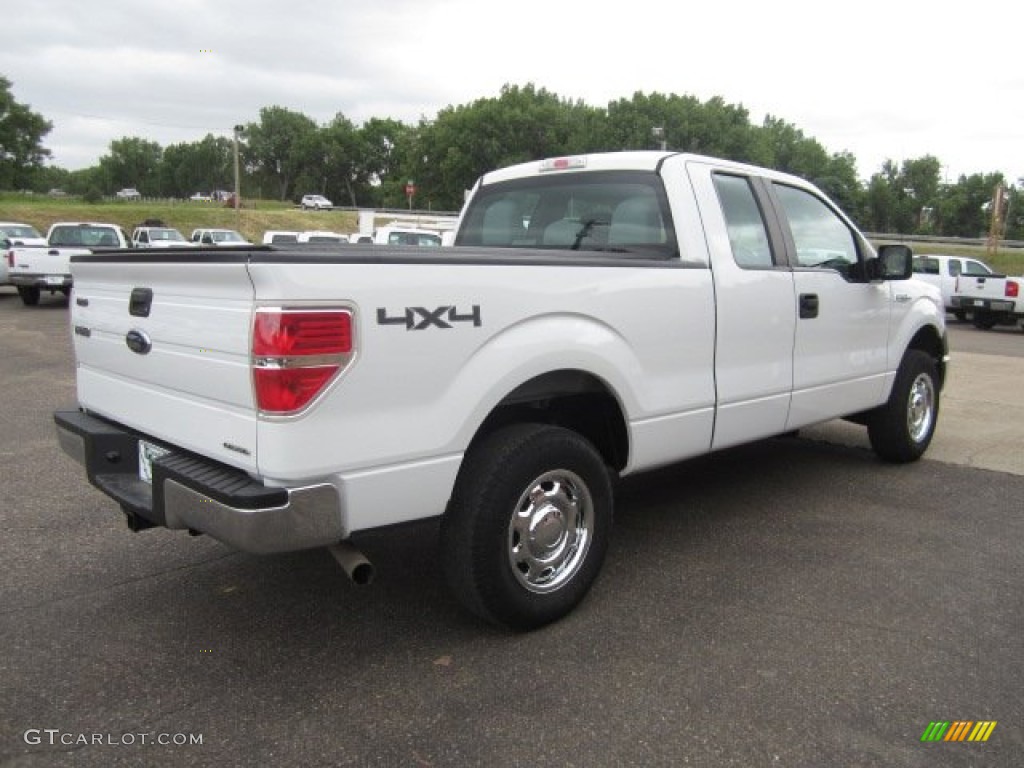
162	346
981	287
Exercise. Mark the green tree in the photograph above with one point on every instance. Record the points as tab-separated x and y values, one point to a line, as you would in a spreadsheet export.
386	151
21	134
280	147
448	154
964	208
199	166
683	123
132	162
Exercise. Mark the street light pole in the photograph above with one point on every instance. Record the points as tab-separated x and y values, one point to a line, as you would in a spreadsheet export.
239	129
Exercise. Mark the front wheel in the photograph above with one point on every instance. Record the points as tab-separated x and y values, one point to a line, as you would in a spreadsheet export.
527	528
901	430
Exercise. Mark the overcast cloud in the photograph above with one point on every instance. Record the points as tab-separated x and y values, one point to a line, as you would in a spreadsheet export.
892	79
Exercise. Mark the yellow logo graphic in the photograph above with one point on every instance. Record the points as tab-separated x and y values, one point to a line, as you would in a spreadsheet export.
958	730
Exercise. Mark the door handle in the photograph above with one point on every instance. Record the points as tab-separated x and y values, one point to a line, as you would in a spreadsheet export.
808	305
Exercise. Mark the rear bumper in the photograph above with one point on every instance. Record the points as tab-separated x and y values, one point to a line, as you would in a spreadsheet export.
190	492
53	282
983	305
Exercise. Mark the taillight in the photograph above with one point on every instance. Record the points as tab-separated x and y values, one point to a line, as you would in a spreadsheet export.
296	353
1012	289
10	258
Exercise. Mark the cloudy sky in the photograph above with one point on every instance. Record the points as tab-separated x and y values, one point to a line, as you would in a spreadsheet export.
882	79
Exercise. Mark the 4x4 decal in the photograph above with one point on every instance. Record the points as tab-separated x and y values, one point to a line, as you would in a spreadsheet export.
421	318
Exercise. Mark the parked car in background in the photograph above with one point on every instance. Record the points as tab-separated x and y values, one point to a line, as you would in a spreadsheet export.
218	237
12	234
37	268
942	272
405	236
280	236
200	197
322	237
990	300
128	193
316	202
17	233
159	237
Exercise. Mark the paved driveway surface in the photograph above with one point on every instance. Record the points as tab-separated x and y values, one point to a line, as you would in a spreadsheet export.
793	603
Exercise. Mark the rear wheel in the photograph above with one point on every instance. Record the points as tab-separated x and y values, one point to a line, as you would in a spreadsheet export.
527	528
901	430
29	294
984	321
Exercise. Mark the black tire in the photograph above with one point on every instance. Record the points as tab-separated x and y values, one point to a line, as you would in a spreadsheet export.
985	322
524	582
29	294
901	430
960	315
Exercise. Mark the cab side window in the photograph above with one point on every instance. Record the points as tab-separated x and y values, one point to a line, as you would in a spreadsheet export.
748	235
822	239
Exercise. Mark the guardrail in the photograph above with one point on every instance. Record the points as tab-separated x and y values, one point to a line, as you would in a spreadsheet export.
937	239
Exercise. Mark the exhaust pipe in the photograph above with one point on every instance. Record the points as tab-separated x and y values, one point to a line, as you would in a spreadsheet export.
354	562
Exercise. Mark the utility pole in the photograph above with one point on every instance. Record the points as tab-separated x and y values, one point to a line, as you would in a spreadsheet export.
239	129
996	229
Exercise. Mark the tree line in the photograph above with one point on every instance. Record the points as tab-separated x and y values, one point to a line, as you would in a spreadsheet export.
285	154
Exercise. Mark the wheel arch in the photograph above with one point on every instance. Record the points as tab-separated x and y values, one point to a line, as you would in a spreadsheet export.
573	399
928	340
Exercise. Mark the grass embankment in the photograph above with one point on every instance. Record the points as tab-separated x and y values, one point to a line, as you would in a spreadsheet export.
252	221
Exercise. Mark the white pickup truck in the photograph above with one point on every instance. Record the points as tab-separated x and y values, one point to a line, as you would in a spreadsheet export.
599	316
942	271
990	300
38	268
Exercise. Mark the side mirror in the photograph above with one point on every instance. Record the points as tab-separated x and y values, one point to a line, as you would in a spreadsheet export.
894	262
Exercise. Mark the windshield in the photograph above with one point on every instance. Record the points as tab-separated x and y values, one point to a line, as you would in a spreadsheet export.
414	238
619	211
84	235
166	234
19	231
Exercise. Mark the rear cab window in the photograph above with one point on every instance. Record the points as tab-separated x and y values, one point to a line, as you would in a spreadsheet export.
85	235
744	220
615	211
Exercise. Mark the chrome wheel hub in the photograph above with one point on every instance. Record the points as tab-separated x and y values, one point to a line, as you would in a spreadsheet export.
550	531
920	408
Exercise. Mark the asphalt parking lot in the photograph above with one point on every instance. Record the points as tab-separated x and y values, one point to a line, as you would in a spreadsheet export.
792	603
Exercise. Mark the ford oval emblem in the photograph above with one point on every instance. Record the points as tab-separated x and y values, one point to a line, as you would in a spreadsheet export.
138	342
